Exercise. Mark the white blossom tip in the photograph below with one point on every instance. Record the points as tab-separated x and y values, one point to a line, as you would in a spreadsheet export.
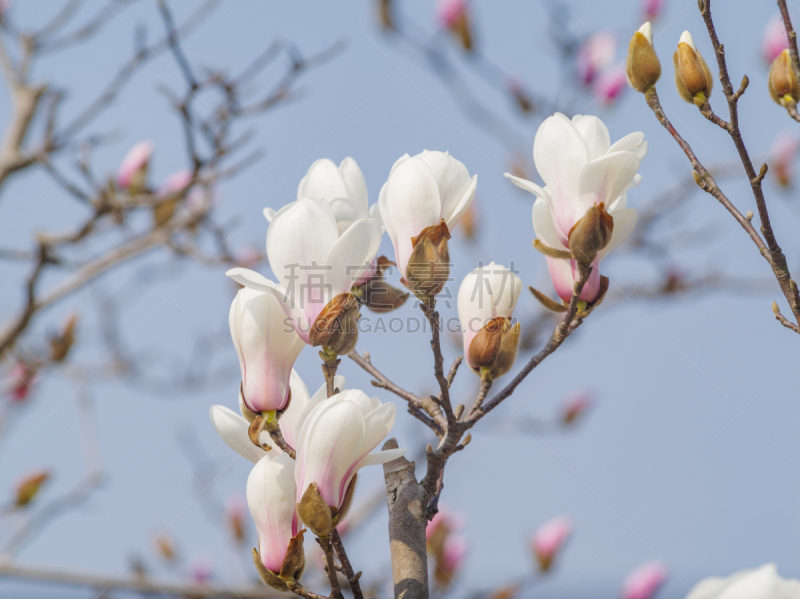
647	31
686	38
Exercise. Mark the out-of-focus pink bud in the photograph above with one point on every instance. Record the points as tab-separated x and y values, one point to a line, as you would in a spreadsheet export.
455	550
783	154
19	382
133	168
176	182
165	547
234	514
454	14
521	96
652	9
610	84
200	572
774	39
575	406
594	55
644	581
549	539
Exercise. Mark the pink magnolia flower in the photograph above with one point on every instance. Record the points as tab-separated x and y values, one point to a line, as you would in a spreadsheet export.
335	441
200	572
455	551
134	166
575	406
652	9
594	55
271	498
266	348
783	154
581	169
610	84
549	539
644	581
774	40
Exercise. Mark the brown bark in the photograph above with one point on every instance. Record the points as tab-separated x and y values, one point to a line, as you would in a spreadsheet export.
407	501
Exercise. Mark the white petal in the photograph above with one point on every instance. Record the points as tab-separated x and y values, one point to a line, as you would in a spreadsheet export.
269	213
605	178
633	142
624	223
232	428
380	457
594	133
322	182
545	228
354	179
352	253
463	204
528	186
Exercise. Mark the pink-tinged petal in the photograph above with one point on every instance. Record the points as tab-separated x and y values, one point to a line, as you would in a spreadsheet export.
551	536
368	273
564	273
545	228
774	39
560	153
135	160
783	155
610	84
271	499
644	582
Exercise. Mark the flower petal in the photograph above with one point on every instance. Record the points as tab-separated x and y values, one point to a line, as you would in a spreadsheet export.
605	178
594	133
354	179
624	223
232	429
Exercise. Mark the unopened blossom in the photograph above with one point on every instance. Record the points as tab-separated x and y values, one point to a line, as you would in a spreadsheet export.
267	349
758	583
692	76
575	406
774	40
271	499
581	170
28	488
133	168
200	572
782	158
644	581
19	382
486	301
452	559
313	263
422	191
234	515
345	189
642	65
549	540
454	15
652	9
176	182
610	84
233	429
334	443
595	54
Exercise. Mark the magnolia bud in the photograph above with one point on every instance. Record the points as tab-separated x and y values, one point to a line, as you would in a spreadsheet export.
494	348
336	327
314	512
591	234
61	343
381	297
782	82
292	568
429	265
29	487
692	77
643	67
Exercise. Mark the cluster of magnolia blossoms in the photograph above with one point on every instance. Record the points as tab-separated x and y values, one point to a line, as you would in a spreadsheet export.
322	249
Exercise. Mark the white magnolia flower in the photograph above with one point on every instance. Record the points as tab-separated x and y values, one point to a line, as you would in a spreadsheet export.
487	292
232	428
311	260
760	583
335	441
581	168
421	191
270	497
267	348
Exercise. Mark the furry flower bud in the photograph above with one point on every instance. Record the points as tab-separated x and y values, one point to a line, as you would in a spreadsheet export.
429	264
591	234
783	85
494	348
692	76
642	67
336	326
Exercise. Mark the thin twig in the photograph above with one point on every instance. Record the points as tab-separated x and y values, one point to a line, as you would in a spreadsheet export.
347	568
